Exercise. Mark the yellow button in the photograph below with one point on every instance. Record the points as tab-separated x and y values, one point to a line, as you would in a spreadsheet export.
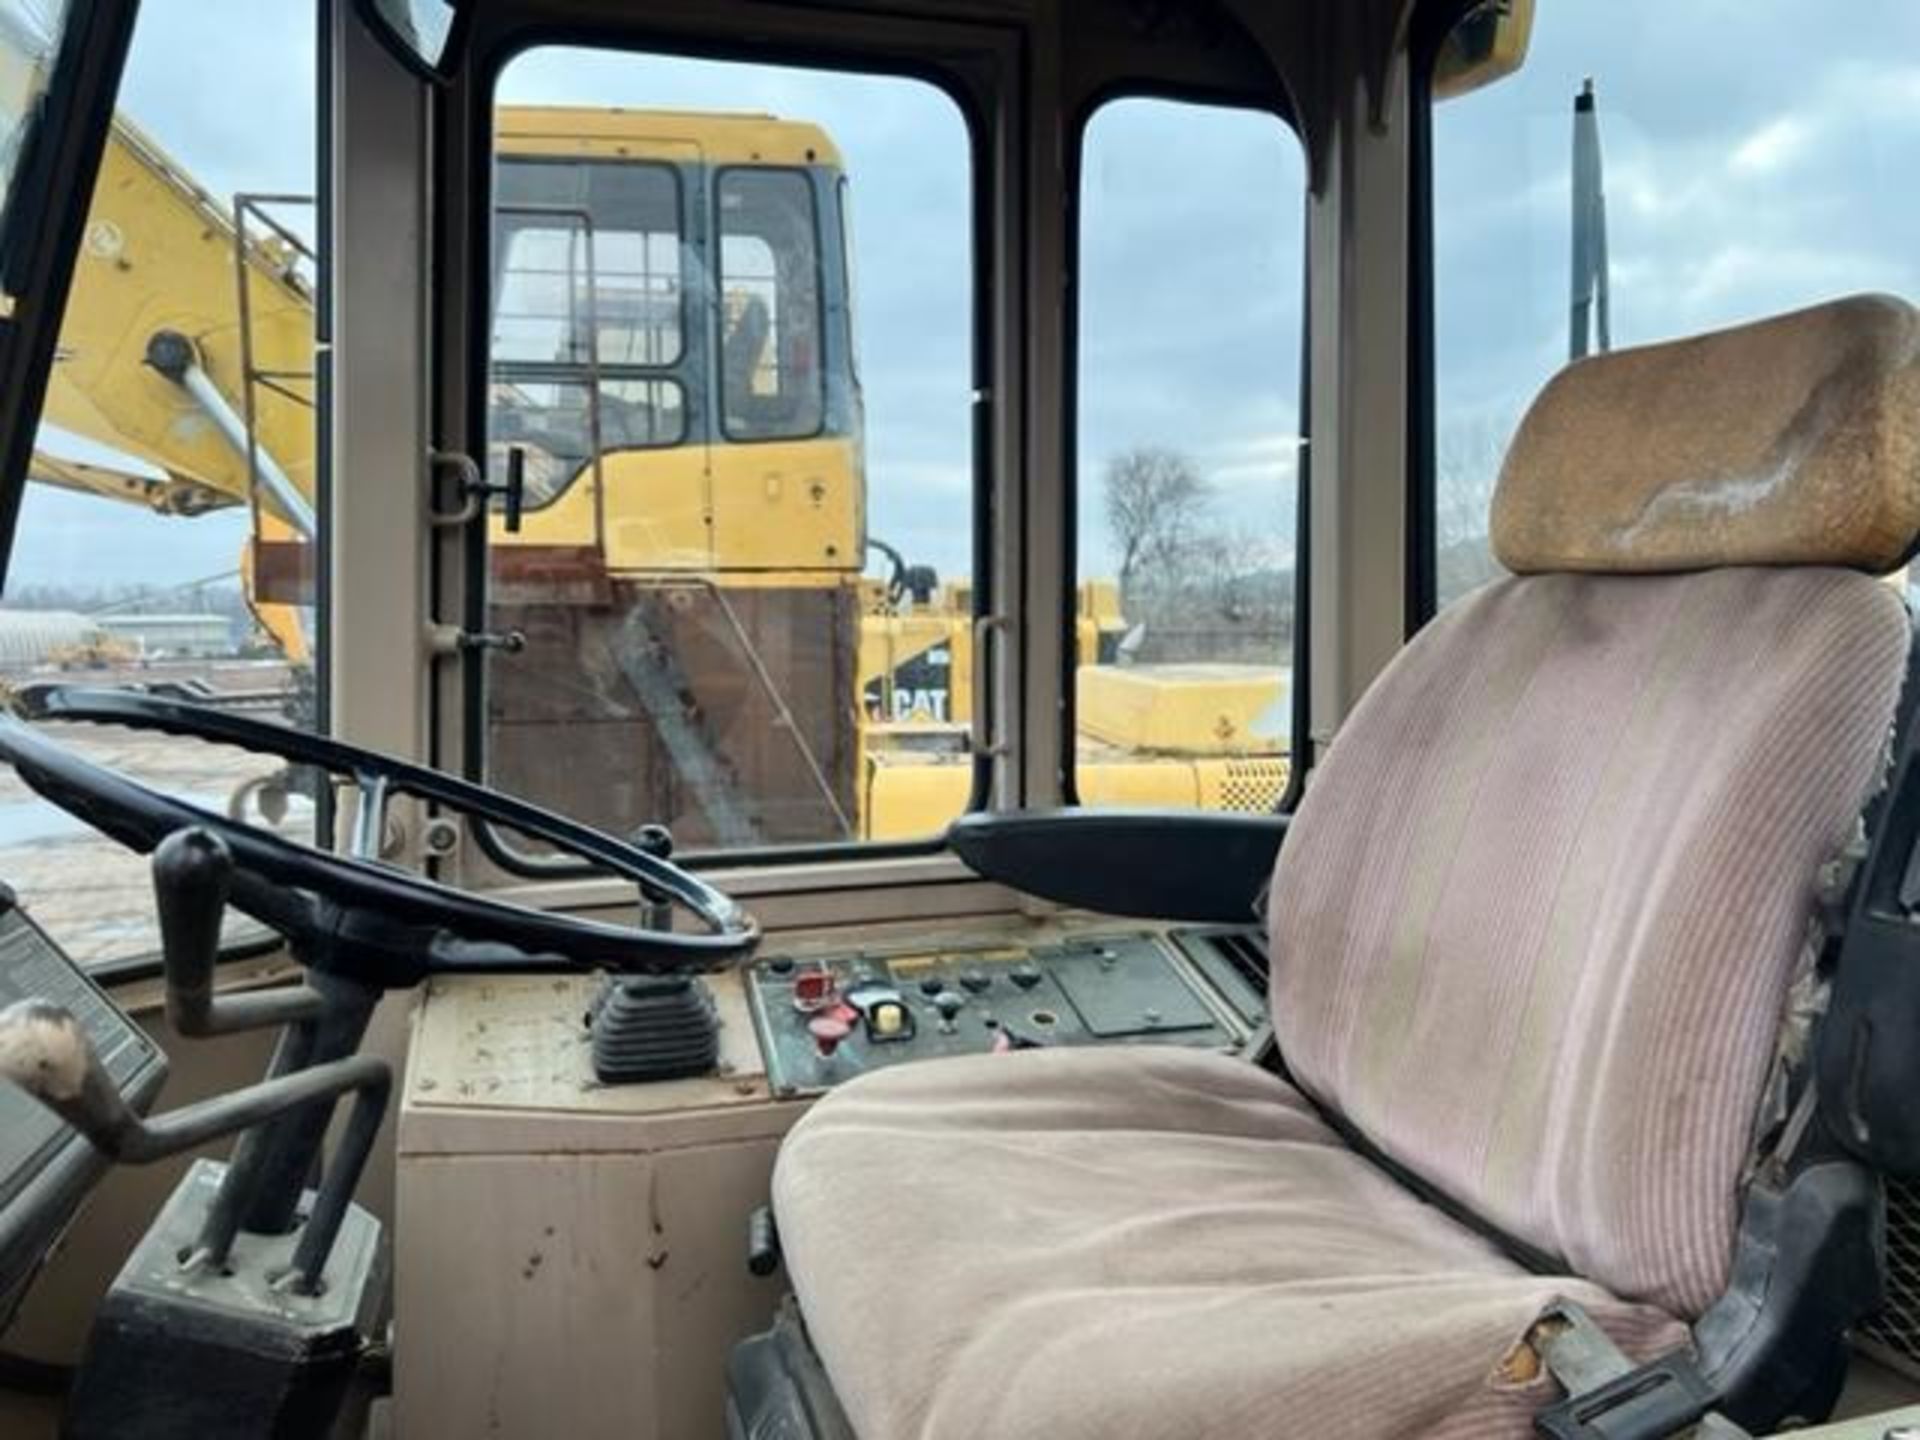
888	1019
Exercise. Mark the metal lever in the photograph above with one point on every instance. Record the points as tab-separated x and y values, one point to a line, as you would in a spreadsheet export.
763	1242
192	873
452	640
656	907
46	1052
515	490
476	490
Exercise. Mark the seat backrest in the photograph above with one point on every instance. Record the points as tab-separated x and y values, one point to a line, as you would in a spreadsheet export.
1535	923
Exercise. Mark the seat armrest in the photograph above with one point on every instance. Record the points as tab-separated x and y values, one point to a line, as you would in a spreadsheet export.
1150	864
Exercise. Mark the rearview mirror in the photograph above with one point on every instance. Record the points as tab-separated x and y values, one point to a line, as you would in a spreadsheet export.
1487	44
424	35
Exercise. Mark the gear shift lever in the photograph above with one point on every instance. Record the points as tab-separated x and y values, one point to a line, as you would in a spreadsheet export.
45	1051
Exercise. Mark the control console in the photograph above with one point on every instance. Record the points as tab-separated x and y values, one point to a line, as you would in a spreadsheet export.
825	1018
46	1167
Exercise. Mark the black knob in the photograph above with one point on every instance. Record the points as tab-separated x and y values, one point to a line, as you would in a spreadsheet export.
949	1003
781	964
976	981
932	984
1026	975
192	871
655	840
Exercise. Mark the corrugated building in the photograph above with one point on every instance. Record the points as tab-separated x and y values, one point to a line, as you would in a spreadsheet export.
31	637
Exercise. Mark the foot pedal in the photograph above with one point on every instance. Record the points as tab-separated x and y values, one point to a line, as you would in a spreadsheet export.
654	1027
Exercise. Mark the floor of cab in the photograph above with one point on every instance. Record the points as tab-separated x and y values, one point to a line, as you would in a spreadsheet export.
1873	1390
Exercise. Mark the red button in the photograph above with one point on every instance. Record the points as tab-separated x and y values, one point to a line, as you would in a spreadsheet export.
812	989
828	1031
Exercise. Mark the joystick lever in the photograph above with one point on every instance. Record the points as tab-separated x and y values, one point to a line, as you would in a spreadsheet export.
656	906
192	875
47	1052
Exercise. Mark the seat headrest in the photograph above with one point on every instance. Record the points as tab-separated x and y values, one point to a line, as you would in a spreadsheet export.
1791	441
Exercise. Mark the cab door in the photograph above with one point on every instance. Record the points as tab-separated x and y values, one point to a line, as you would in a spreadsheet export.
598	355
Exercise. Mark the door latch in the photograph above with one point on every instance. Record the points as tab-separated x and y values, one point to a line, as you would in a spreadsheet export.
452	640
476	490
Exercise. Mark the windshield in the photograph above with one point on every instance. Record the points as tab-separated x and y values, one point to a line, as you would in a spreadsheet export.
30	32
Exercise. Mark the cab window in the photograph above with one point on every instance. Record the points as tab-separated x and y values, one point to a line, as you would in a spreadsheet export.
744	585
589	318
167	537
772	387
1187	450
1734	180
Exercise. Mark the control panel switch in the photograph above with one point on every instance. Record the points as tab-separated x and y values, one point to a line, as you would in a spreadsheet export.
828	1031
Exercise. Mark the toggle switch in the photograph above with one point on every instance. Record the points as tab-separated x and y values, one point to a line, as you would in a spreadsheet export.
888	1020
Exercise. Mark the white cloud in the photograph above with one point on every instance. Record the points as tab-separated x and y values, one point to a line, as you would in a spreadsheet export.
1774	146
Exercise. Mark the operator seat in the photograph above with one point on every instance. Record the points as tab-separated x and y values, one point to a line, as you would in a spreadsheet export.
1533	933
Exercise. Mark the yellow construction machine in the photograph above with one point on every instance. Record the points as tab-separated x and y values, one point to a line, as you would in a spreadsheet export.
675	401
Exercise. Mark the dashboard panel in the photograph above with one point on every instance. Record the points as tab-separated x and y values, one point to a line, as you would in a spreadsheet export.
824	1018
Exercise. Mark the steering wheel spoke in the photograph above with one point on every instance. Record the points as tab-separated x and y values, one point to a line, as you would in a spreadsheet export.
368	841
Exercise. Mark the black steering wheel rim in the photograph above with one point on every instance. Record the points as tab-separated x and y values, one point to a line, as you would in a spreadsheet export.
382	911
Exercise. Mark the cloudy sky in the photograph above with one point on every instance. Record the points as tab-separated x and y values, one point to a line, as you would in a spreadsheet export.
1755	160
1758	156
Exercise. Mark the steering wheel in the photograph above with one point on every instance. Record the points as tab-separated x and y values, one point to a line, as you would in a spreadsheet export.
354	914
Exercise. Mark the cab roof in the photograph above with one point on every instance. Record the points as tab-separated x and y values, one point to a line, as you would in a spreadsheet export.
715	137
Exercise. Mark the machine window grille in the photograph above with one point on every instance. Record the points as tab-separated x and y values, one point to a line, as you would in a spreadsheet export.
589	314
589	249
772	383
564	424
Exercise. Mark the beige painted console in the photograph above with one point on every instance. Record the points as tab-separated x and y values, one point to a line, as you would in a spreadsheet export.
570	1256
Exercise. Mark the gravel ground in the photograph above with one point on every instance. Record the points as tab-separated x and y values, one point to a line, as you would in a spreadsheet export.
91	895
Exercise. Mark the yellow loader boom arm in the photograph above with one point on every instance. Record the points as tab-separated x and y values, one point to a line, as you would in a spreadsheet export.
187	347
156	309
163	494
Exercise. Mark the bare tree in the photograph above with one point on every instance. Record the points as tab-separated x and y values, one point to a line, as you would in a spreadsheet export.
1156	499
1467	466
1197	586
